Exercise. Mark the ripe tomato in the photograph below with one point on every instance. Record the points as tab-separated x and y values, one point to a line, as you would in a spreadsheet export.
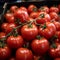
5	53
32	8
43	9
54	16
12	58
23	8
54	9
2	35
48	30
22	15
55	51
43	18
57	59
13	8
59	7
29	32
10	17
15	41
8	27
57	25
40	46
34	15
24	54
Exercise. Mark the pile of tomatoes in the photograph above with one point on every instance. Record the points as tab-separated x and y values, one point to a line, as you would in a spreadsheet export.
30	33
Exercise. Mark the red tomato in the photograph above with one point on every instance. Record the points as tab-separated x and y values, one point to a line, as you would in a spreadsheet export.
5	53
57	59
40	46
48	30
22	15
32	8
57	40
15	41
13	8
34	15
12	58
29	32
23	8
8	27
43	18
59	7
43	9
55	51
57	24
54	9
10	17
24	54
2	35
54	16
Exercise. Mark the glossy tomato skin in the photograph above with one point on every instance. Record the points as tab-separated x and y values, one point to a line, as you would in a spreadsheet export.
55	52
57	59
13	8
54	16
54	9
57	24
15	41
43	18
10	17
49	31
40	46
43	9
5	53
29	32
23	8
2	35
22	15
34	15
32	8
8	27
24	54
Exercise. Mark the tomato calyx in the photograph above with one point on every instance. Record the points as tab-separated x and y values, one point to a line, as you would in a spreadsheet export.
38	37
44	26
42	16
42	8
35	9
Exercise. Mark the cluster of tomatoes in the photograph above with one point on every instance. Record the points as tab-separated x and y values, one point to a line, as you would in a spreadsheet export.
30	33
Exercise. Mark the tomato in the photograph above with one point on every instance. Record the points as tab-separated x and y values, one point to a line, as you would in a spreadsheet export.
43	9
32	8
48	30
12	58
54	9
34	15
57	40
40	46
8	27
13	8
43	18
23	8
29	32
15	41
55	51
22	15
57	59
57	24
2	35
59	7
54	16
5	53
24	54
10	17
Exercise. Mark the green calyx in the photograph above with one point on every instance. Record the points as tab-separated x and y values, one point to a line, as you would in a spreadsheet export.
42	16
35	9
38	37
44	26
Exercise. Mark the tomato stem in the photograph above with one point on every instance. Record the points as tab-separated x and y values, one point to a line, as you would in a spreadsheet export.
35	9
41	15
38	37
44	26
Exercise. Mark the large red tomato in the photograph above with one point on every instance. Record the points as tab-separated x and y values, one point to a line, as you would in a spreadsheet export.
22	15
24	54
43	9
47	30
40	46
5	53
10	17
29	32
43	18
15	41
55	51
